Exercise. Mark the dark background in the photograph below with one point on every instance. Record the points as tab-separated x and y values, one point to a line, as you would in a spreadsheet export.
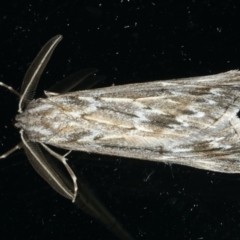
128	41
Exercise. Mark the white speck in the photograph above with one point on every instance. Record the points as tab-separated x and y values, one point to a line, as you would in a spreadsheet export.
215	91
185	124
176	150
40	108
199	114
149	175
211	102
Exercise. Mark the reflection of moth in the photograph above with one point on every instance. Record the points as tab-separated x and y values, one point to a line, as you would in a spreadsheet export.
193	122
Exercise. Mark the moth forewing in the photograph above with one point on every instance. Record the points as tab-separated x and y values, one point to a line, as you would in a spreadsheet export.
192	122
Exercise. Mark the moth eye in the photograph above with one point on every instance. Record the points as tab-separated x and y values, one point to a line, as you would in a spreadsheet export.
238	114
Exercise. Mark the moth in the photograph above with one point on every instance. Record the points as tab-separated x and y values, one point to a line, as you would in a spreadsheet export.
190	121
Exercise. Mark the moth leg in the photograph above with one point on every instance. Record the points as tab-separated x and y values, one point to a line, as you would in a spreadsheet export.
10	89
18	146
67	153
62	159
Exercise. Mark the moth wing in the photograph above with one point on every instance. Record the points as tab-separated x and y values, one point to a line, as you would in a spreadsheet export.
187	121
72	81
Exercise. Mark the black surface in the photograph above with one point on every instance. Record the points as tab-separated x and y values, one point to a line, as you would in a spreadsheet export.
128	41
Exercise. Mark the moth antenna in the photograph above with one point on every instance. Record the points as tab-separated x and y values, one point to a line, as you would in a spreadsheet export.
18	146
10	89
34	72
40	163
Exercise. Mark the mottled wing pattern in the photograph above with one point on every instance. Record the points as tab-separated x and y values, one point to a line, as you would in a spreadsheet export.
187	121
